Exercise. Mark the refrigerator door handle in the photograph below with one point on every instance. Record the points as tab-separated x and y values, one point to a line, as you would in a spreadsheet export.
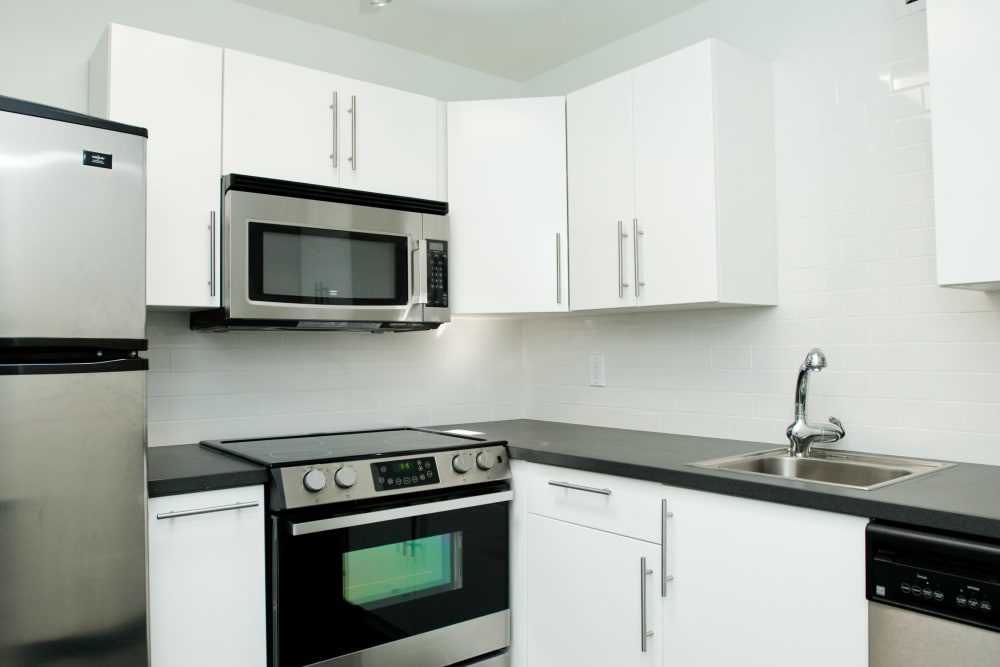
61	368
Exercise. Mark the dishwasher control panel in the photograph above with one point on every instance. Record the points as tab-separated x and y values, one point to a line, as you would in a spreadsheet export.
947	575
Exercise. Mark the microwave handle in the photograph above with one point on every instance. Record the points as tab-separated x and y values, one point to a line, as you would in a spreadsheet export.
419	290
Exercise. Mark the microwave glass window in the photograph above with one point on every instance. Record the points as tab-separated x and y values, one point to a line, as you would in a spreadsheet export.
388	574
302	265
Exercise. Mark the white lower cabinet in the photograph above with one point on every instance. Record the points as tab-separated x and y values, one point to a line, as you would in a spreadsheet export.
207	604
593	595
757	583
750	583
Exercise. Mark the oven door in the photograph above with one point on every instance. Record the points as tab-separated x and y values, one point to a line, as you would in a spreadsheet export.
407	584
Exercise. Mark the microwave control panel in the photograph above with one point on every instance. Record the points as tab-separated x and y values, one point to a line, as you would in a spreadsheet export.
437	274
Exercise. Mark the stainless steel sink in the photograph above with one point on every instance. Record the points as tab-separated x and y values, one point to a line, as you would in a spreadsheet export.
827	466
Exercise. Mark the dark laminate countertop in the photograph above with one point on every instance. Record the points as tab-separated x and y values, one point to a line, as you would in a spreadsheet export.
965	498
189	468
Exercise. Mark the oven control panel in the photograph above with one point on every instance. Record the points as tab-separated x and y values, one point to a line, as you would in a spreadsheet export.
326	482
403	473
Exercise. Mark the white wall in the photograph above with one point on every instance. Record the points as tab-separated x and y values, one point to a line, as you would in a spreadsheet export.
913	368
773	29
47	44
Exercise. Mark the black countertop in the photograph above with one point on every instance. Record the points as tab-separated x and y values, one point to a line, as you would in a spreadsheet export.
964	498
189	468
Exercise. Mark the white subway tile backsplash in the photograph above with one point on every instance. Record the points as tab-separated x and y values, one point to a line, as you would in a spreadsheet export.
918	185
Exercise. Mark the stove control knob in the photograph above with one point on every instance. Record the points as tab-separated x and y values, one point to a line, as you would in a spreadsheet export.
345	477
314	480
461	463
485	460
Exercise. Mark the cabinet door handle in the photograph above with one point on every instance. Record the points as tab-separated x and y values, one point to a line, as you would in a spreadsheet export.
664	515
643	573
336	131
211	254
636	233
577	487
354	133
207	510
621	262
558	267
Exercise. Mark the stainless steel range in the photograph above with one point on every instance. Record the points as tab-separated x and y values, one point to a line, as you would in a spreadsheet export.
387	547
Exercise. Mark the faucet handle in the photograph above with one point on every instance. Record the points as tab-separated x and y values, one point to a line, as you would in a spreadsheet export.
836	422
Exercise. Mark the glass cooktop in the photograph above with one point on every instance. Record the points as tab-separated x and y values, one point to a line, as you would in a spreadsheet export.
316	447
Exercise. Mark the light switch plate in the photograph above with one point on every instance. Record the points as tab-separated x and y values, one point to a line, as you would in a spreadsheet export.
597	370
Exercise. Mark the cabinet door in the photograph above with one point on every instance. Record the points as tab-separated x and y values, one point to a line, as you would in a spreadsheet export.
173	88
388	141
586	590
783	586
599	164
206	579
675	188
279	120
963	52
507	201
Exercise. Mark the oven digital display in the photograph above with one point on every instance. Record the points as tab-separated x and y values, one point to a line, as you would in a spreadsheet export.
401	571
403	473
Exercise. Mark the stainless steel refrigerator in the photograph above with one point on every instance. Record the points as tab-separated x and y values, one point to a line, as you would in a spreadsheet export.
72	390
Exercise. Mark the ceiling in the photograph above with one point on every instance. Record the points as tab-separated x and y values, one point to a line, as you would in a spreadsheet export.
513	39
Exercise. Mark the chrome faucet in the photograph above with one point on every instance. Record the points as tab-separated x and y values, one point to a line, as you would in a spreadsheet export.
802	434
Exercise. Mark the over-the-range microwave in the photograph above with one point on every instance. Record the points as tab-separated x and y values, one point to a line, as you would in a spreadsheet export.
306	257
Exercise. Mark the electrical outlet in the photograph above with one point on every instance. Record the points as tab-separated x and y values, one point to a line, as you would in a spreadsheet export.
905	7
597	370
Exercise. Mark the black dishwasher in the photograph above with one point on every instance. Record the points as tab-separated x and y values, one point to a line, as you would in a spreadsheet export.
933	597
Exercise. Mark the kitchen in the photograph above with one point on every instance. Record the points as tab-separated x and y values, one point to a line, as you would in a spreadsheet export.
914	368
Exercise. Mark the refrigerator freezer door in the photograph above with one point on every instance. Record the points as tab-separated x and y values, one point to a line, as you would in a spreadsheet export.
72	230
72	520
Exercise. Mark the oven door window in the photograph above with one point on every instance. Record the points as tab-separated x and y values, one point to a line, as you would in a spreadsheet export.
291	264
341	591
389	574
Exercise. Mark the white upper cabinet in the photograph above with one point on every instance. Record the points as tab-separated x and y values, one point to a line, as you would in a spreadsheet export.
507	202
298	124
172	87
963	52
601	187
671	184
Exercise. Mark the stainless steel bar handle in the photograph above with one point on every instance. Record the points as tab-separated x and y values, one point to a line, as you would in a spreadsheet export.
558	267
664	515
636	233
211	254
354	133
336	132
409	511
577	487
643	573
207	510
622	234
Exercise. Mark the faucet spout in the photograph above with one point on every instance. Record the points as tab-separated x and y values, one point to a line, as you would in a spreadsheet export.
801	434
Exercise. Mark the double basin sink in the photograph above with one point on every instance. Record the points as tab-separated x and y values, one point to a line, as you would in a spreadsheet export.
827	466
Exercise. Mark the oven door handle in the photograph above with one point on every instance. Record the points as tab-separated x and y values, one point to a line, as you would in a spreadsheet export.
351	520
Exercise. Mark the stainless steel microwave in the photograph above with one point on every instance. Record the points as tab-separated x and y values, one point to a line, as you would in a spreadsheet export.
305	257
